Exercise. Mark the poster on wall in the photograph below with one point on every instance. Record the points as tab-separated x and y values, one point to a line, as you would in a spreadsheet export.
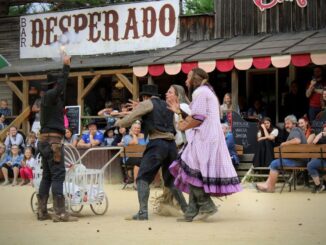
102	30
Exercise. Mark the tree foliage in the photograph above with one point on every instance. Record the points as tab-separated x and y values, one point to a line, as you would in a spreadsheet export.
199	6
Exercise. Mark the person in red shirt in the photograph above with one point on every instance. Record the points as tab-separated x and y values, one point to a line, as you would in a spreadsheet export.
314	93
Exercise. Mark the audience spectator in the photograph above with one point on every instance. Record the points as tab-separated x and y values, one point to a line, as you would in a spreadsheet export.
92	138
70	138
123	111
315	166
27	165
14	138
306	129
295	137
11	165
266	141
31	141
3	154
107	111
2	121
4	109
294	102
119	135
230	143
36	126
227	106
257	111
322	115
109	136
314	93
135	137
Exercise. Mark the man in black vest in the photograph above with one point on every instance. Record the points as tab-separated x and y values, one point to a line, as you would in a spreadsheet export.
51	147
161	150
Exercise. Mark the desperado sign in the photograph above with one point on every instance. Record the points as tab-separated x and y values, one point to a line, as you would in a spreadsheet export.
267	4
130	27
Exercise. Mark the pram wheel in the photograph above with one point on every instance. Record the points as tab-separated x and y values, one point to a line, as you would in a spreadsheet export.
34	203
76	208
100	207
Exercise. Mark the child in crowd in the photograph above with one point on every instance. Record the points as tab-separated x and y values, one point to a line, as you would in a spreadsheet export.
12	165
27	165
109	136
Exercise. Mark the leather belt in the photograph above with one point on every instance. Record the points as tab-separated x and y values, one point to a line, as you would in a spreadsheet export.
51	135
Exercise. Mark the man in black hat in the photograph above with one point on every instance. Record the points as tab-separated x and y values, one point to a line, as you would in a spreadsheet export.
161	150
51	147
92	138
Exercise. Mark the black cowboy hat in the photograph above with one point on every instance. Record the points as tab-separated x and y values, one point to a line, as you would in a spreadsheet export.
52	79
149	89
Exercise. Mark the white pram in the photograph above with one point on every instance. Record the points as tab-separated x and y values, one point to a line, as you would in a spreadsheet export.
82	186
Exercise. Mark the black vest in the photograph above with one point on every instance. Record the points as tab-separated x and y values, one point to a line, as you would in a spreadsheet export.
52	115
160	118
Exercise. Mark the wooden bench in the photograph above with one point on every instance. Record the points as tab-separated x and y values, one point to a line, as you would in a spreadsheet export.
301	151
131	151
239	150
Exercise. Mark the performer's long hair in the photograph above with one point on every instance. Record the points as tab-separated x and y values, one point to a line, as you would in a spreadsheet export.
180	92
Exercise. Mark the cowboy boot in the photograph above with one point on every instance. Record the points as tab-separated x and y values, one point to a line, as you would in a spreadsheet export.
192	209
205	203
180	198
143	195
60	214
42	211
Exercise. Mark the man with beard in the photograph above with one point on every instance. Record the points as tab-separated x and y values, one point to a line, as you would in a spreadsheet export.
296	136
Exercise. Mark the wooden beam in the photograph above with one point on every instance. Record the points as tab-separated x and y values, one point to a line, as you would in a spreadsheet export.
90	85
14	88
26	125
122	78
73	74
135	86
17	122
234	88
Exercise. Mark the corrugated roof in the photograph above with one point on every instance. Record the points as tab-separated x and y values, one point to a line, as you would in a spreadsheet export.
237	47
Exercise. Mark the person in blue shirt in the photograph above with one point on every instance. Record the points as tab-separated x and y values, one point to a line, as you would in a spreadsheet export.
231	145
11	165
92	138
135	137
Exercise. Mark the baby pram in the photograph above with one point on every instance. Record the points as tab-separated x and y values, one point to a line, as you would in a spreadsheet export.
82	186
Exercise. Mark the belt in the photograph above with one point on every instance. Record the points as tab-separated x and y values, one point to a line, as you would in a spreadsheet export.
51	135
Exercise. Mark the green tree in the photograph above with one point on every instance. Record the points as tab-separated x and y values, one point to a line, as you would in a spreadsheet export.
199	6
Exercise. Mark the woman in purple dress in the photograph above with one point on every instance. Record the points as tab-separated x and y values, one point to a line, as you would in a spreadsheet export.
205	168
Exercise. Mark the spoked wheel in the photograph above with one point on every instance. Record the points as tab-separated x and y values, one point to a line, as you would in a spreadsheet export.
100	207
76	208
34	202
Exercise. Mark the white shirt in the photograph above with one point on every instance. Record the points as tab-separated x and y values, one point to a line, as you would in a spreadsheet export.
178	136
274	133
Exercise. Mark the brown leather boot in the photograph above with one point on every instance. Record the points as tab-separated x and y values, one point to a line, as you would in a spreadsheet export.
42	211
60	214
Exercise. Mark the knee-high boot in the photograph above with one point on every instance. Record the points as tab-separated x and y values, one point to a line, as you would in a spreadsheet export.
204	202
60	214
143	196
180	198
42	211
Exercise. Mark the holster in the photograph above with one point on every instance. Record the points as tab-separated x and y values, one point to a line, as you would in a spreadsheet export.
57	152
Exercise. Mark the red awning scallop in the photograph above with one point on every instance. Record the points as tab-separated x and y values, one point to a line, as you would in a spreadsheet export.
262	62
187	67
300	60
156	70
224	65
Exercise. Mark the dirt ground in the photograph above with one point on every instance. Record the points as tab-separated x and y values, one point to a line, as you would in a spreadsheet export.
245	218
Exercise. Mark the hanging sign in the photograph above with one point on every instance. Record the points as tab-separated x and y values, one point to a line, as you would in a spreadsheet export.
267	4
102	30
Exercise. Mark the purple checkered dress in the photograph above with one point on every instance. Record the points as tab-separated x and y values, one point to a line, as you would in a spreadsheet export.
206	162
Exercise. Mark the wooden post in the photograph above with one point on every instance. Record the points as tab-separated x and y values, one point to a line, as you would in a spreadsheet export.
292	71
234	88
80	99
135	87
26	125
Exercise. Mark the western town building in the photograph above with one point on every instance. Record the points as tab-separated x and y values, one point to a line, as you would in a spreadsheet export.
251	48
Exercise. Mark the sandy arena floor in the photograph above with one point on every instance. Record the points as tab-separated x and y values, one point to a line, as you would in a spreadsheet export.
246	218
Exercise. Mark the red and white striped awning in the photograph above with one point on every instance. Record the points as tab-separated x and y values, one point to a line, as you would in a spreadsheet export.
226	65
